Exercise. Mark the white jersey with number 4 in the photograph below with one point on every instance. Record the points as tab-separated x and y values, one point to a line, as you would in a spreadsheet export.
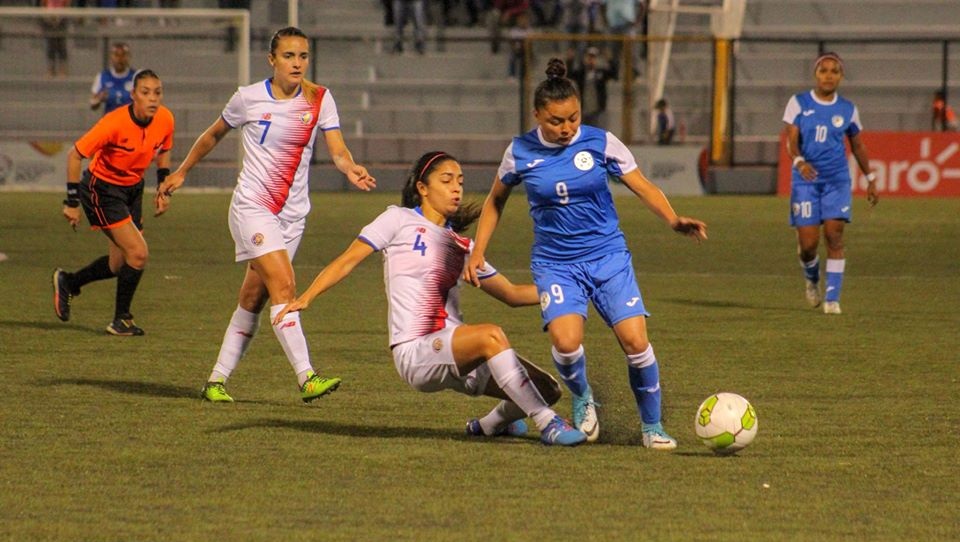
278	137
422	263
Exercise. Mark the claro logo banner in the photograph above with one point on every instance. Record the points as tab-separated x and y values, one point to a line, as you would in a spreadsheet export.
906	163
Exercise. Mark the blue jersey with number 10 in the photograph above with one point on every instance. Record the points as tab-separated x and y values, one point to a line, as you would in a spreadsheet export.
823	127
574	218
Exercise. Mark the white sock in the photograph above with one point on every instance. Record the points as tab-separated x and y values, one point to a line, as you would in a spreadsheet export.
236	340
512	378
294	344
506	412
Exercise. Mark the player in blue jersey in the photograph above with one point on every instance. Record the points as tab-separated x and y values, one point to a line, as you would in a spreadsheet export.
816	124
579	252
112	86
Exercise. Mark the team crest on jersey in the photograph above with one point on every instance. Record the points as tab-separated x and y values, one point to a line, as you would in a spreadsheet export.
583	161
266	116
544	301
837	121
437	345
306	117
257	239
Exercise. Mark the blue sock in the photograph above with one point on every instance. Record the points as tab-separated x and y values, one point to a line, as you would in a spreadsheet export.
573	369
645	383
811	269
834	279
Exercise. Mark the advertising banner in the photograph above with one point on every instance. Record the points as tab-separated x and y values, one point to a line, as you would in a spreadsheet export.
911	164
672	168
35	165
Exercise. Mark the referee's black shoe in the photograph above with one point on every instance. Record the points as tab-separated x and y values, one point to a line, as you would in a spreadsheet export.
124	327
61	294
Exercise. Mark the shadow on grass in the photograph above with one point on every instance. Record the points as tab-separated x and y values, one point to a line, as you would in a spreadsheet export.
131	387
363	431
731	305
50	326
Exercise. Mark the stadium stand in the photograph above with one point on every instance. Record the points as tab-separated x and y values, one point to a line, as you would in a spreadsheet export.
458	96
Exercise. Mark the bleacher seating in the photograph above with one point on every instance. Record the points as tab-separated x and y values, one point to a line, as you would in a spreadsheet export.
458	96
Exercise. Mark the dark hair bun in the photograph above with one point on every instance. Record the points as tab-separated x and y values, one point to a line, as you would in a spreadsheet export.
556	69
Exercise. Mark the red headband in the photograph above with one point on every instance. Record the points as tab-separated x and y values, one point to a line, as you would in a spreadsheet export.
427	165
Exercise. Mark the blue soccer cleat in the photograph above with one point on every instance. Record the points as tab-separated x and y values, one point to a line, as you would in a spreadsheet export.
517	428
561	433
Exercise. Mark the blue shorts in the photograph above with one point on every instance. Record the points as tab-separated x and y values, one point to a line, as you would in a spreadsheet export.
812	203
608	281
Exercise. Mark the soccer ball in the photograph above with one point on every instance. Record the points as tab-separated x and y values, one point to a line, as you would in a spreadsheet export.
726	423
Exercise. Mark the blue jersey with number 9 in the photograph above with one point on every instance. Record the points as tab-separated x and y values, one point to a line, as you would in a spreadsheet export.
574	218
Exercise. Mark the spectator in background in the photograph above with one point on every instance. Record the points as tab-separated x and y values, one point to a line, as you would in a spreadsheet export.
402	10
576	20
55	33
112	86
504	15
666	125
623	19
591	76
516	35
944	118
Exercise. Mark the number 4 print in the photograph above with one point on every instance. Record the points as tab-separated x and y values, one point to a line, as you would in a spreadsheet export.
420	245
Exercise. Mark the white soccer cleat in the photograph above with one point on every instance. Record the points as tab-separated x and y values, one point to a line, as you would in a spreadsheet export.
655	438
812	293
585	415
831	307
590	425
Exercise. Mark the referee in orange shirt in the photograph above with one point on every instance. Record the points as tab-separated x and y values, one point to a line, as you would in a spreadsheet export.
120	147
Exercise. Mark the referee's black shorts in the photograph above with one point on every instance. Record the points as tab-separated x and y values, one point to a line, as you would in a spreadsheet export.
109	205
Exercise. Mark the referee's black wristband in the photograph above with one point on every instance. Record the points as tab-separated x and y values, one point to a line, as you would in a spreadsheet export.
73	195
162	174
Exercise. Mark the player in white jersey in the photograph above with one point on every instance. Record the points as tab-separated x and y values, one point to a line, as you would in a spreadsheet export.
433	349
278	119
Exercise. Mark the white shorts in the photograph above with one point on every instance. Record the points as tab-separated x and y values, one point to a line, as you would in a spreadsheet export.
427	365
256	231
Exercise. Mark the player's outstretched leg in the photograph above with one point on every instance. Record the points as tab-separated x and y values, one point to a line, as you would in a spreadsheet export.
559	432
516	428
512	377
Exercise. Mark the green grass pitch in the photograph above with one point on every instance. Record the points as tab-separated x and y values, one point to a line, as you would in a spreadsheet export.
104	438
